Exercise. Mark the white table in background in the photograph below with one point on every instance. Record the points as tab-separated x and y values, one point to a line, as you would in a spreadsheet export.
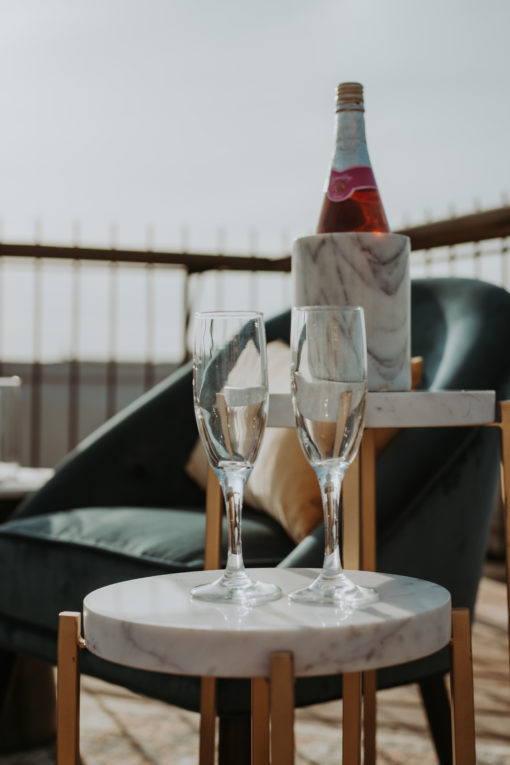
23	481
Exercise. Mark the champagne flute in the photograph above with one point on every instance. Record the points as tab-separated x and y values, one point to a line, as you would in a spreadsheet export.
329	389
230	392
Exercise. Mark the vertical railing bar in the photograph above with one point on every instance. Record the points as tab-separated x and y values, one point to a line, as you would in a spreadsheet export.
148	374
187	309
286	245
2	315
149	367
476	260
254	290
504	263
253	275
192	290
186	302
428	262
36	376
2	322
220	281
452	260
220	295
111	365
287	298
74	361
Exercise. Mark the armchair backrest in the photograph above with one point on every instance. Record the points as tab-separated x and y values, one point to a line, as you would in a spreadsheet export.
461	327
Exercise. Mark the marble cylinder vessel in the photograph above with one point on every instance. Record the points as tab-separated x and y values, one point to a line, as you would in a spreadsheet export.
370	270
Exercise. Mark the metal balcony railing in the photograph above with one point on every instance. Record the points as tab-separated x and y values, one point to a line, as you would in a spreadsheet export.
473	245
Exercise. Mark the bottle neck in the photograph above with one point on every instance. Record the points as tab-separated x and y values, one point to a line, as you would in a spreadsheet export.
350	144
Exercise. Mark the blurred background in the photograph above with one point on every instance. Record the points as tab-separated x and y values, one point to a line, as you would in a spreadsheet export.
170	126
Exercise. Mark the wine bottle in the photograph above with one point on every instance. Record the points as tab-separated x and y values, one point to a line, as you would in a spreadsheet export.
351	199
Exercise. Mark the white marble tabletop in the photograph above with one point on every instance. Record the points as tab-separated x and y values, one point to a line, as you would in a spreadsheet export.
407	410
17	483
154	624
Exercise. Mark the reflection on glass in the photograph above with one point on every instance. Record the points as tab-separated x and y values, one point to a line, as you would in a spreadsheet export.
329	387
230	392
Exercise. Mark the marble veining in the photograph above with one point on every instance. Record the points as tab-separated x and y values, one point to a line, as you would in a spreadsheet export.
154	624
371	270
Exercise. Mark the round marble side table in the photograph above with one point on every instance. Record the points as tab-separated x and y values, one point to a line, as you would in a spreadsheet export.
153	624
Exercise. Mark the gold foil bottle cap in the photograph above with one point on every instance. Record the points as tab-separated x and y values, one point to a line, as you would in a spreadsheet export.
349	93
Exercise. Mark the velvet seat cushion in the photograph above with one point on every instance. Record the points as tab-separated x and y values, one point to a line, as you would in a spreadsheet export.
54	560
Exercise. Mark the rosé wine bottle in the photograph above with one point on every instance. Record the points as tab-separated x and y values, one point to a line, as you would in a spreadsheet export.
351	199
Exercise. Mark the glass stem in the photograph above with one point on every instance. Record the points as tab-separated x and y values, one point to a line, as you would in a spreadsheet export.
331	483
232	483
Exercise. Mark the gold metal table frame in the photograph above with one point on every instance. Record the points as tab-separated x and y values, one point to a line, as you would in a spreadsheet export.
273	697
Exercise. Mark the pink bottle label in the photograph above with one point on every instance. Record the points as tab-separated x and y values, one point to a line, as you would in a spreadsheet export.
342	185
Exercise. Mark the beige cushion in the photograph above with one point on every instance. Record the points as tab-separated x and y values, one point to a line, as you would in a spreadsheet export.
282	482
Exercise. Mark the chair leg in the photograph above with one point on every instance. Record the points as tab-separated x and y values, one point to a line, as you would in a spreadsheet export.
28	717
7	662
437	708
234	745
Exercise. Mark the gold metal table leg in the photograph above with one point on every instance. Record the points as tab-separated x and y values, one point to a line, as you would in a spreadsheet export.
359	552
207	734
281	693
213	516
368	563
461	678
505	486
351	499
259	721
68	688
351	719
212	553
367	503
369	717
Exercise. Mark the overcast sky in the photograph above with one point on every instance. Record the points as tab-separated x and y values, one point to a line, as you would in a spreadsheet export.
212	115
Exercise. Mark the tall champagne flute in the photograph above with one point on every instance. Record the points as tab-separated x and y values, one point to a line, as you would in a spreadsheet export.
230	391
329	388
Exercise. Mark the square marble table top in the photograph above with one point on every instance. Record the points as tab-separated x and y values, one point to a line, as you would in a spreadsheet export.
407	410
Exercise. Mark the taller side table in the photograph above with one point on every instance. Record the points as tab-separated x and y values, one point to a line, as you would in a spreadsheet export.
384	410
428	409
400	410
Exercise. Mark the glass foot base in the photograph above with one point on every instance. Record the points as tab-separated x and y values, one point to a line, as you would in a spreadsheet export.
338	590
239	589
